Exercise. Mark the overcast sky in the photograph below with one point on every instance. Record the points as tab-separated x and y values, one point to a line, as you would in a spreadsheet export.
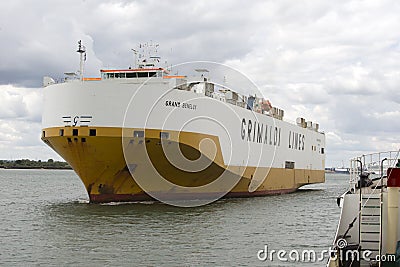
334	62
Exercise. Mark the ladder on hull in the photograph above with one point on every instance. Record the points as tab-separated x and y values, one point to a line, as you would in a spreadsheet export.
370	230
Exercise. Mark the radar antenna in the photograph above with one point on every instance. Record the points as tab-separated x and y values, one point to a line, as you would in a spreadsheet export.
147	54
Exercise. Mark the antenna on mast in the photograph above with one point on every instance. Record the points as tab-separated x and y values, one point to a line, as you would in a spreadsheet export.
82	51
135	52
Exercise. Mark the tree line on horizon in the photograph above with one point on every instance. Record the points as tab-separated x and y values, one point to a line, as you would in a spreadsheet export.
33	164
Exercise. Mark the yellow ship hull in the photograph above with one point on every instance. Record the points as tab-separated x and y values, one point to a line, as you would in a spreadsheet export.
108	176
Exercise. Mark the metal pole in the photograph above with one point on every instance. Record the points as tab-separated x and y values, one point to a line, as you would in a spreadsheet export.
135	58
81	50
360	205
81	67
381	211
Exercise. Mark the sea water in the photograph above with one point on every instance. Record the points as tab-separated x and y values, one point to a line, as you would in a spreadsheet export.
46	220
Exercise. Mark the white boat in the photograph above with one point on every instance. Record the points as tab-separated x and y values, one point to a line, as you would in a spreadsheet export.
342	170
368	233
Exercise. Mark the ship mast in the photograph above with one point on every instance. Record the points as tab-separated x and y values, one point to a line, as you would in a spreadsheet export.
82	51
135	52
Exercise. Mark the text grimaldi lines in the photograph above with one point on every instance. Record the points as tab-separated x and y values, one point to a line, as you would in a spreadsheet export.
256	132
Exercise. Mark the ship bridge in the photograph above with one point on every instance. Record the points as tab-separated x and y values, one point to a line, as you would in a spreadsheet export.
145	65
133	73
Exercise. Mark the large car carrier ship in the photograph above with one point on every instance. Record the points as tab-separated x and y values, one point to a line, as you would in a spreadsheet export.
142	133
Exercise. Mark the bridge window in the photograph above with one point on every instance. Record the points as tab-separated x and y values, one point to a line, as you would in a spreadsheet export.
130	75
143	74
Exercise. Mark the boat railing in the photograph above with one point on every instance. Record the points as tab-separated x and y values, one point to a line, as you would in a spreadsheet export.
375	164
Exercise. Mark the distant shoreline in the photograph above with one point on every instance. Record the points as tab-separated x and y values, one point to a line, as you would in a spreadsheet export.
33	168
27	164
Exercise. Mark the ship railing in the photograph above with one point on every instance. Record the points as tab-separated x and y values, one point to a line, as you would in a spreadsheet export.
371	163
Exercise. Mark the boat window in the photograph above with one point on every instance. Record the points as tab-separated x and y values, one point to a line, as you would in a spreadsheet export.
289	165
143	74
75	132
322	150
131	75
164	135
138	133
92	132
61	132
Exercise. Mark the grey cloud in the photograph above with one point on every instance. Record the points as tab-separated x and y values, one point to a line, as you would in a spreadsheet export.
12	105
20	103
